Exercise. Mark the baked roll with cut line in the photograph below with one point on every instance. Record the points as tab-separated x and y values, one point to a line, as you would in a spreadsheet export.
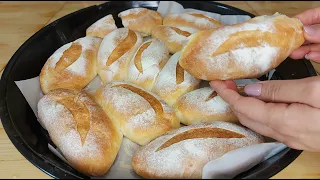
139	114
147	62
191	22
102	27
80	128
242	51
204	105
174	37
173	81
116	50
72	66
182	153
141	20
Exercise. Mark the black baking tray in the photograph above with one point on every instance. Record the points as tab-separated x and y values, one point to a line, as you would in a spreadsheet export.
31	139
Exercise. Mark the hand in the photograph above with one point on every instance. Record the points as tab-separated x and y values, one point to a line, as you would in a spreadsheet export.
311	48
285	110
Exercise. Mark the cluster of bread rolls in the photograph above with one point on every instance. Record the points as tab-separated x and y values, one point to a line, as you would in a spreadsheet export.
151	86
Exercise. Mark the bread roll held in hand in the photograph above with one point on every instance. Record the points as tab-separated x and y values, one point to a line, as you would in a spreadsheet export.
173	81
102	27
81	130
191	22
147	62
116	50
182	153
141	115
141	20
174	37
204	105
242	51
72	66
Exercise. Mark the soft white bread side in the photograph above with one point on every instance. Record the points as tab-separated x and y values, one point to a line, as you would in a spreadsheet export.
242	51
141	20
182	153
203	105
147	62
173	81
72	66
116	50
174	37
102	27
140	115
81	130
191	22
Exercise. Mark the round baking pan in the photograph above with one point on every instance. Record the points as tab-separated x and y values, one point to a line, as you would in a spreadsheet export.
31	139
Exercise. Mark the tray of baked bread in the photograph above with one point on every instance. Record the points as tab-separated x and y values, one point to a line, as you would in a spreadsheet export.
128	74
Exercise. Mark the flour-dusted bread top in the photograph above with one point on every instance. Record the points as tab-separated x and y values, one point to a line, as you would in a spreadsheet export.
242	51
173	81
182	153
72	66
102	27
147	62
141	20
140	114
79	127
116	50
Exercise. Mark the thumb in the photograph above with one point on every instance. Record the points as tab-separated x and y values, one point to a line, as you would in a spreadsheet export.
286	91
312	34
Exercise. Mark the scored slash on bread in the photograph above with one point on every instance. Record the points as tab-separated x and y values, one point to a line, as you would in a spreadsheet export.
147	62
115	52
183	152
173	81
72	66
242	51
139	114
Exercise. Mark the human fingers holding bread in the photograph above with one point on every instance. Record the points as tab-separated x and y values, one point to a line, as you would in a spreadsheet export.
286	110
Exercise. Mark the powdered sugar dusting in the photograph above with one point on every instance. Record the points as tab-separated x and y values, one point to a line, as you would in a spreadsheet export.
186	158
155	54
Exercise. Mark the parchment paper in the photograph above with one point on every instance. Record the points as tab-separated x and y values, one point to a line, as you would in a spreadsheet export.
246	157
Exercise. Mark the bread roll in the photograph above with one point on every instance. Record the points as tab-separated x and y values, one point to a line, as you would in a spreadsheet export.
182	153
115	53
72	66
102	27
173	81
242	51
204	105
141	115
147	62
141	20
174	37
81	130
191	22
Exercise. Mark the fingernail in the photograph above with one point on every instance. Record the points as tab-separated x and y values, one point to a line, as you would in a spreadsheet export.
253	89
307	57
309	30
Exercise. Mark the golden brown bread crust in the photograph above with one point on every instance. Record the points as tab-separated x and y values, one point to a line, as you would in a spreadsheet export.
240	51
147	62
174	37
141	20
72	66
81	130
204	105
191	22
140	115
115	53
173	81
183	152
102	27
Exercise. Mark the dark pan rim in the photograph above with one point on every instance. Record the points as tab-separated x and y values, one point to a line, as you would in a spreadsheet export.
288	155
